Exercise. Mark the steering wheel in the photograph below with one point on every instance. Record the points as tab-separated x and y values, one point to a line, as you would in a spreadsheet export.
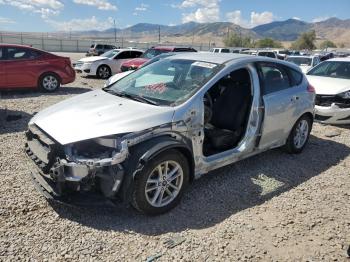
208	108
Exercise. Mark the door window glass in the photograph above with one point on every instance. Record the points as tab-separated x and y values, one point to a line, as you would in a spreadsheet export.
274	77
124	55
135	54
14	53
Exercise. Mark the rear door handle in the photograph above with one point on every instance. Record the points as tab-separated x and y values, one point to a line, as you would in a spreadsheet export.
294	98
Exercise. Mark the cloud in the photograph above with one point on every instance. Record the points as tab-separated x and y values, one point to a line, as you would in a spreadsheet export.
320	19
100	4
4	20
255	18
82	24
43	7
207	11
141	8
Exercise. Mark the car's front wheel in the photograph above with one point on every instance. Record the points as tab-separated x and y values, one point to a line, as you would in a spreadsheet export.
104	72
161	183
299	135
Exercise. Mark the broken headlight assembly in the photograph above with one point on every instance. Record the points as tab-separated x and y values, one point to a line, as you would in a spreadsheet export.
345	95
96	152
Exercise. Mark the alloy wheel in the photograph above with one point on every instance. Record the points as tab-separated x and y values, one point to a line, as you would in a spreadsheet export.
164	183
301	133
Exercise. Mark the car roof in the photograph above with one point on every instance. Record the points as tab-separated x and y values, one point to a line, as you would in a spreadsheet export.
302	56
127	49
217	58
224	58
170	48
340	59
15	45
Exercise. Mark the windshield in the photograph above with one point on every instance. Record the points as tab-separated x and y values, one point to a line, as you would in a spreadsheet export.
166	82
110	54
300	61
336	69
150	53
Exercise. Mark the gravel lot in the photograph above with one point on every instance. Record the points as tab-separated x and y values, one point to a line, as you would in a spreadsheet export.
272	207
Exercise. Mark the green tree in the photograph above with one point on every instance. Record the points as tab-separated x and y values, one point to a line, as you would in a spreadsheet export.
327	44
268	42
235	40
305	41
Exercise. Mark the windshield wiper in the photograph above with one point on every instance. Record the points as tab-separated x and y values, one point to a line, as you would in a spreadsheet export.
131	96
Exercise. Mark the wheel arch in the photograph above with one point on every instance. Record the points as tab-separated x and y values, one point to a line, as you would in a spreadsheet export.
145	151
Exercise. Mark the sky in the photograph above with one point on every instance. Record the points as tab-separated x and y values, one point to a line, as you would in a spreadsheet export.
80	15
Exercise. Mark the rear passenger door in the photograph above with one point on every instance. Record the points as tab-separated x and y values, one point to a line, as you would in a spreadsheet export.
121	58
280	95
3	77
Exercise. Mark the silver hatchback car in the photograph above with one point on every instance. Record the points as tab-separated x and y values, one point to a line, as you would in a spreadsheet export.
147	136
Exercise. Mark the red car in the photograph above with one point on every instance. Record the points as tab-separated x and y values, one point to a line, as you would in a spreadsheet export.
150	53
27	67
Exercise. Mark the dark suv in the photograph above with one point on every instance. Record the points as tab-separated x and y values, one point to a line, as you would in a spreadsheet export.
98	49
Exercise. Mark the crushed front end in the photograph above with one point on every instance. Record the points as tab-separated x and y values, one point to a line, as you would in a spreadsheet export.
92	165
332	109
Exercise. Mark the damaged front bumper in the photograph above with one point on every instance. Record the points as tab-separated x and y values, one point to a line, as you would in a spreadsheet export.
55	176
332	114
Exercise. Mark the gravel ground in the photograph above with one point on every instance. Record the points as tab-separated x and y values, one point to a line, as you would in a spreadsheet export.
272	207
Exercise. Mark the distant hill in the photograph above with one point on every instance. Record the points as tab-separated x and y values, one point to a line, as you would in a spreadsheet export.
288	30
333	29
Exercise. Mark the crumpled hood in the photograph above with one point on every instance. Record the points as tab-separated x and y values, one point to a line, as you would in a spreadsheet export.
136	62
92	59
97	114
328	85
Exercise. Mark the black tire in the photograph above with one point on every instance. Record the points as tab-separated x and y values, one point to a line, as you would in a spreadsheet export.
103	72
291	146
49	82
139	200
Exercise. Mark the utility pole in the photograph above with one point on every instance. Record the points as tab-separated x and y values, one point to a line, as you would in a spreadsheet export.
115	32
159	34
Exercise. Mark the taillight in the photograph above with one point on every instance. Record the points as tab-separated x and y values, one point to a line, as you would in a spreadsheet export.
310	88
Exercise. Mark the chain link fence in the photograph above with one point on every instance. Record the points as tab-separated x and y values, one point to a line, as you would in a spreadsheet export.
61	43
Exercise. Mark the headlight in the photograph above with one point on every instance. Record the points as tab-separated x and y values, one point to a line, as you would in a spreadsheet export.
345	95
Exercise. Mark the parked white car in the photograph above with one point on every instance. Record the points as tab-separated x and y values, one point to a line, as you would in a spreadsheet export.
219	50
267	53
331	80
107	64
304	62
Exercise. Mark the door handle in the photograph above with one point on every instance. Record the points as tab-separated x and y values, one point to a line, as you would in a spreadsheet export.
294	98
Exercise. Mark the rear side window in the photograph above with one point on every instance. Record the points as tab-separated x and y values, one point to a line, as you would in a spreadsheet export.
15	53
274	78
216	51
124	55
225	50
135	54
295	76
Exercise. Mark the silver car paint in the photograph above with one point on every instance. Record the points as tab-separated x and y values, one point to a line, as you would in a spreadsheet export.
97	114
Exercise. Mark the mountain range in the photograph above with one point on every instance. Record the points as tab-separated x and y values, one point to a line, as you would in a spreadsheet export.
333	29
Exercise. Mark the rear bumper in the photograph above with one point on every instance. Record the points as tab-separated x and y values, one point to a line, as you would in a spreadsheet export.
332	114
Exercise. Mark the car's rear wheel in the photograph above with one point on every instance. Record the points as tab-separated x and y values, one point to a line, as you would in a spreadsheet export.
299	135
49	82
160	185
104	72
